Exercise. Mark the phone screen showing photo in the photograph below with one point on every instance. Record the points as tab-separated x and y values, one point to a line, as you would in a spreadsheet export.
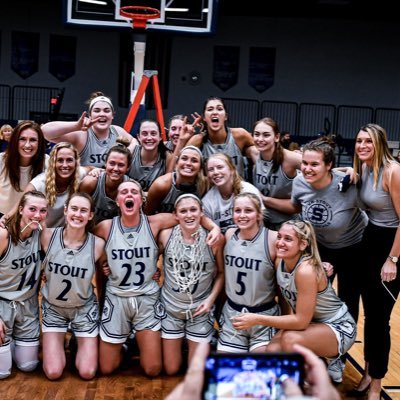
250	375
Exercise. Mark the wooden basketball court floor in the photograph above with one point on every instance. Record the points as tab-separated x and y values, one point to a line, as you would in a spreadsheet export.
132	384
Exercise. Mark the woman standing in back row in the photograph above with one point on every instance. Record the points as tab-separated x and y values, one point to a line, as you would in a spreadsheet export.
274	171
92	136
217	137
379	191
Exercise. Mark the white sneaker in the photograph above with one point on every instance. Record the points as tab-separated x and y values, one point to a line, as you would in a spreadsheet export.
335	369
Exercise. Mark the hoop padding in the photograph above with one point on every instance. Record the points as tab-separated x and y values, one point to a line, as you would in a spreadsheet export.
139	14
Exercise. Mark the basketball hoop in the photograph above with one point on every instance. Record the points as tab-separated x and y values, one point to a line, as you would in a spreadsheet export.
139	15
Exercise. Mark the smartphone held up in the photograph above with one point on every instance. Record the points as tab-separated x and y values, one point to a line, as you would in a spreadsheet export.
251	375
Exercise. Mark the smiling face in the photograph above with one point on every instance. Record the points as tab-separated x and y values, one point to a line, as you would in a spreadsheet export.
28	144
288	245
265	137
78	212
188	214
65	163
245	214
174	130
314	169
33	212
189	163
215	114
218	172
129	198
6	132
364	147
104	111
116	166
149	135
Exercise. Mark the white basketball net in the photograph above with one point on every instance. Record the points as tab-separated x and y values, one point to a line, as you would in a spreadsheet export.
184	255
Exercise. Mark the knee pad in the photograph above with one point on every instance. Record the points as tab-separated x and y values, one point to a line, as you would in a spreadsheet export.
26	357
5	360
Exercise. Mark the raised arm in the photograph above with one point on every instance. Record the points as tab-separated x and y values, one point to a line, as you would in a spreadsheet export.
246	143
74	132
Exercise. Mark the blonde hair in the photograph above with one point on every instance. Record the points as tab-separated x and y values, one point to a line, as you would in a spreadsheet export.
201	180
256	203
305	231
50	182
382	154
237	179
3	128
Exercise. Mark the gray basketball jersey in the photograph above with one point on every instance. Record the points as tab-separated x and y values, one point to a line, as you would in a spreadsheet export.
272	184
249	270
336	217
229	147
105	208
380	208
167	205
20	269
95	151
196	292
220	210
69	272
145	174
132	256
328	303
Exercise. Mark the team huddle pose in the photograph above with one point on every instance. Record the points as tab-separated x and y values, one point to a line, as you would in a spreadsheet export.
81	237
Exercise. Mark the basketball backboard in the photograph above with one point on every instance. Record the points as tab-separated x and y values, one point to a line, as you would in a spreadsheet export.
184	16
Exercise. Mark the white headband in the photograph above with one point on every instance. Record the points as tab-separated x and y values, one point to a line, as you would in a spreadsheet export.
191	147
187	195
100	98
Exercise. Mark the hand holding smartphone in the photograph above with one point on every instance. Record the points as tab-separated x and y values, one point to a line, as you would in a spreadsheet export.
251	375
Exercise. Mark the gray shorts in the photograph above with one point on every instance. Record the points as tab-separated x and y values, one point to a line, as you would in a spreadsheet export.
345	330
84	320
235	341
121	315
179	325
22	320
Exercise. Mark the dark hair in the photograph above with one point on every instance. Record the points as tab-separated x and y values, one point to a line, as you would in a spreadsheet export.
324	145
204	109
277	157
93	95
13	223
162	148
12	158
121	147
88	197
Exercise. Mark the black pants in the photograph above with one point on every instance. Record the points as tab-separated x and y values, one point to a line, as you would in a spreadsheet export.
378	303
348	269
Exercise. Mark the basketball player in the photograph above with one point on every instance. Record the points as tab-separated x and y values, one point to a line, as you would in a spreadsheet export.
319	319
151	158
68	298
249	277
103	187
188	177
19	279
92	136
193	278
131	295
